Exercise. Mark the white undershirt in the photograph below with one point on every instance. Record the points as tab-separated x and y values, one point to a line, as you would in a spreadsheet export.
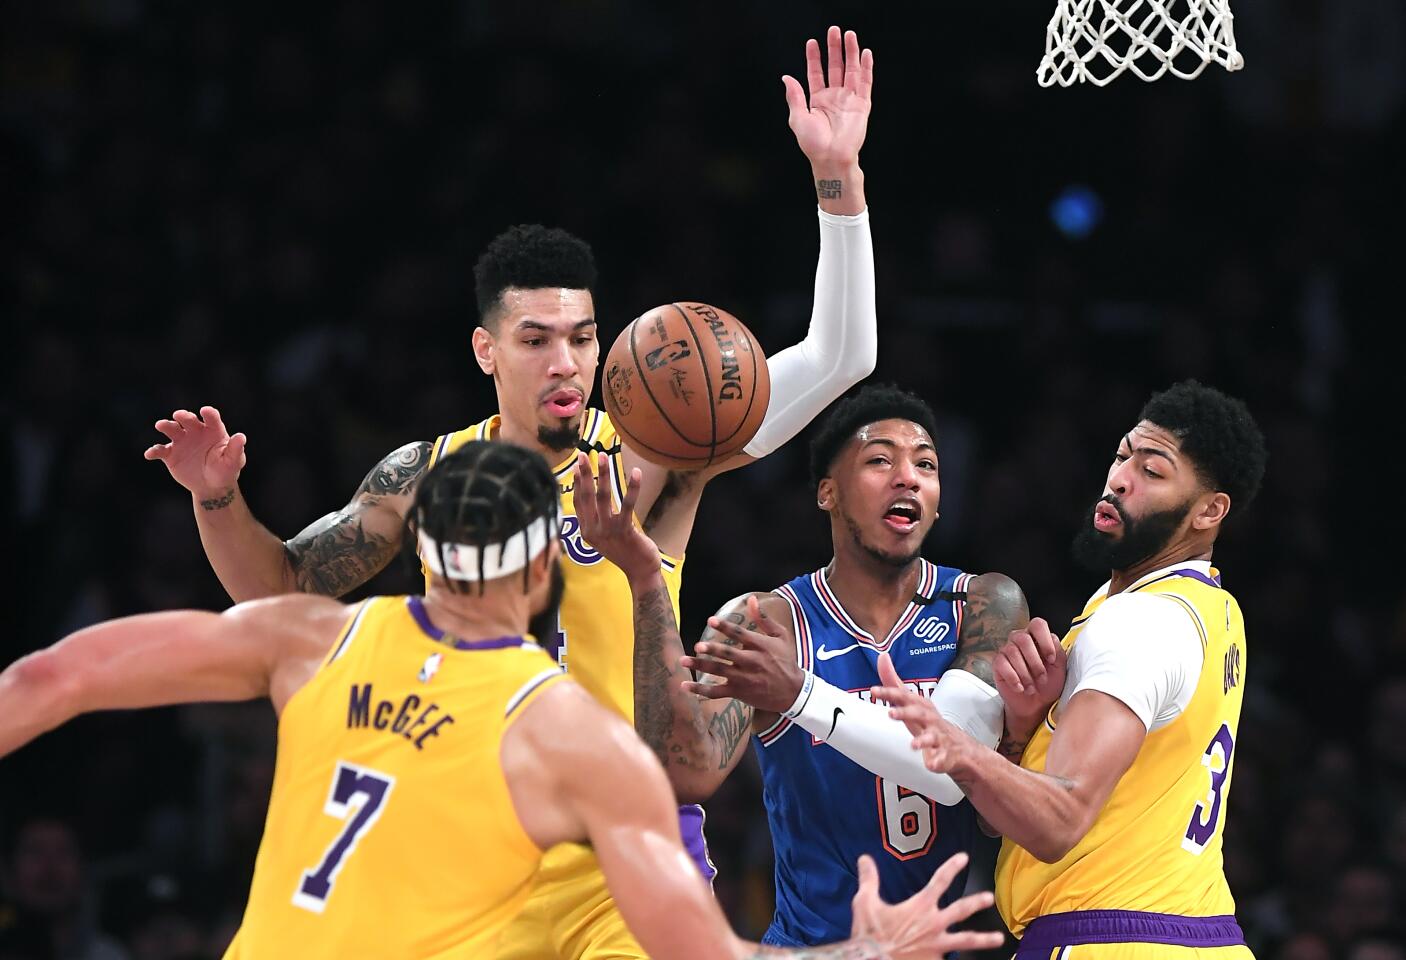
1142	649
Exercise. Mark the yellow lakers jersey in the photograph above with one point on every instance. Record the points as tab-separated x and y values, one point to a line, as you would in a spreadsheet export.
595	638
1156	845
390	830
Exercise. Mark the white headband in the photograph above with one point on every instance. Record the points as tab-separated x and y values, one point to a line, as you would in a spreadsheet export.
499	559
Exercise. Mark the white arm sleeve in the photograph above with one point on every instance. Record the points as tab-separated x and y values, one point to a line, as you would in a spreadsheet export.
1142	649
842	344
864	732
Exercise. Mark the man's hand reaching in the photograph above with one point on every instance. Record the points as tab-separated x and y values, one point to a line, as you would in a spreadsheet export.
202	456
831	129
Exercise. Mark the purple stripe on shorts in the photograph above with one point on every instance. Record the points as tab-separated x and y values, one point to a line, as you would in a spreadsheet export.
1045	934
1198	575
416	606
691	826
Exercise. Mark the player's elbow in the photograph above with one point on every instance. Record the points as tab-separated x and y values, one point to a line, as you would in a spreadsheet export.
1060	840
42	678
1050	851
857	364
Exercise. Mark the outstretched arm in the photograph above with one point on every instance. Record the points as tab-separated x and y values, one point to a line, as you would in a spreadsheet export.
699	742
841	345
335	554
265	648
565	759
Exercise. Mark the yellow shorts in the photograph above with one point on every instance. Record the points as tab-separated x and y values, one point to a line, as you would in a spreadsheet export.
569	915
1132	935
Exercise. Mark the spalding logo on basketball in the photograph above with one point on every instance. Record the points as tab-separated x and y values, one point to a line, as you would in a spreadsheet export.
686	385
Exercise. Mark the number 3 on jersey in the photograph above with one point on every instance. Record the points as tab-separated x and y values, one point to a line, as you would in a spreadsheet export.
359	793
1206	816
906	820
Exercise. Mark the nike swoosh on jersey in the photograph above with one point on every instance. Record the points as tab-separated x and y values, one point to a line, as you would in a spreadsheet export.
824	654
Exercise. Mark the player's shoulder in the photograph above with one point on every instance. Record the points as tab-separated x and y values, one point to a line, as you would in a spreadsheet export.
995	587
291	609
300	625
1147	622
446	443
564	719
771	604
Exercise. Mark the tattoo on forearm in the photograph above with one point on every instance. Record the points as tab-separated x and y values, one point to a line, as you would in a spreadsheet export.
655	630
994	607
729	729
829	189
218	503
338	553
864	949
675	725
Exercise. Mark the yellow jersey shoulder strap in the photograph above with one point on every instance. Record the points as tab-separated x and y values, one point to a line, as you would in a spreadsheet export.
449	442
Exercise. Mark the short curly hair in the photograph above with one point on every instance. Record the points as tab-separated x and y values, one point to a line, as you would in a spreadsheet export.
870	404
1217	434
531	257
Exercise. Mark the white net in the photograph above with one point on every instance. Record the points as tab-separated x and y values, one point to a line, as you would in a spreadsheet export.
1093	41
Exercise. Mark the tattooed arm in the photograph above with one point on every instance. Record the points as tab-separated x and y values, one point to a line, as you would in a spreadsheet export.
994	607
331	556
698	741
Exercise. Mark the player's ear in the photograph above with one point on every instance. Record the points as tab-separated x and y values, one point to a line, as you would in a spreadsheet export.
543	563
483	350
1211	512
825	495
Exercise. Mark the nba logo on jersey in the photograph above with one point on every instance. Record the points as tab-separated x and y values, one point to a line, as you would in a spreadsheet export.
430	668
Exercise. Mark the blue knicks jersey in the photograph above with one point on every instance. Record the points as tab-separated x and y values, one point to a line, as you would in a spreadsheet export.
824	809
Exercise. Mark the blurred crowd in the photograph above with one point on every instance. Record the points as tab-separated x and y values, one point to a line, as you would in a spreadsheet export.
275	210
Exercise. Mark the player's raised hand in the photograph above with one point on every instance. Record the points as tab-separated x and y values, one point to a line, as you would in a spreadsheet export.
915	928
613	532
754	658
831	129
1030	670
202	456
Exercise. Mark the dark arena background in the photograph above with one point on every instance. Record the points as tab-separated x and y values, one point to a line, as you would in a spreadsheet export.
275	209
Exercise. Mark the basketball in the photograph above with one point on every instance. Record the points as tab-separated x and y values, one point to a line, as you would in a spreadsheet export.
686	385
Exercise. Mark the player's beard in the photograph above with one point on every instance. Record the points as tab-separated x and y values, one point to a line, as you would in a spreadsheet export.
897	561
560	438
1100	552
543	624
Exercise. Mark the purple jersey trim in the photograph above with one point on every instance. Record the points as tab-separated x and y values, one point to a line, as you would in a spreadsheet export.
691	826
1198	575
1048	933
416	606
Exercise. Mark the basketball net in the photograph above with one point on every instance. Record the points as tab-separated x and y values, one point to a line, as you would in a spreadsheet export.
1093	41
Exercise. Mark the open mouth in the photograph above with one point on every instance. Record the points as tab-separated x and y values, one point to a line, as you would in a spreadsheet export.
903	516
563	403
1106	517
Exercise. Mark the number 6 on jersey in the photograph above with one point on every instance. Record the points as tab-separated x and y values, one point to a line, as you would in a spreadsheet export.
357	791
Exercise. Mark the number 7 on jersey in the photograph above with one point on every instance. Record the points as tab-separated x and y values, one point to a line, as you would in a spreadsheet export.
358	792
